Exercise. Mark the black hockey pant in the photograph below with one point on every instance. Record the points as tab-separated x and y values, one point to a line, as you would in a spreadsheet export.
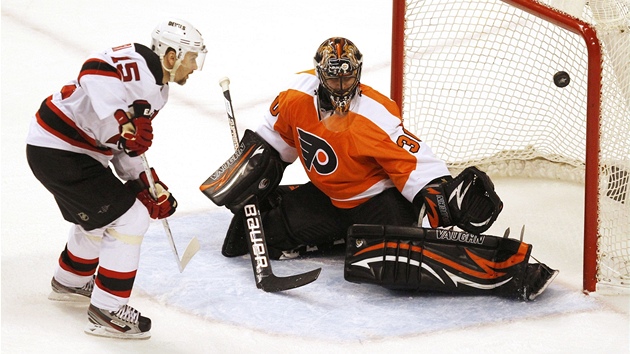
306	216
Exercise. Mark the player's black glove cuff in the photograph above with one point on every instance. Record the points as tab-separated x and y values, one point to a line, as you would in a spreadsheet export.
433	198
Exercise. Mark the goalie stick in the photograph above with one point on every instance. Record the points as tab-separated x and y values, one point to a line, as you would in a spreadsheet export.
193	245
257	244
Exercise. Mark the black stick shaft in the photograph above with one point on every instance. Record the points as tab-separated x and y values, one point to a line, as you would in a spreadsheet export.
257	244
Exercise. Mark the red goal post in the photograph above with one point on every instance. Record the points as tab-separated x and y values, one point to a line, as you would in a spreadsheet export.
485	69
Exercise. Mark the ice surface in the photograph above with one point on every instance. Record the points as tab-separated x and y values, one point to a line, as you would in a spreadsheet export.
223	289
214	306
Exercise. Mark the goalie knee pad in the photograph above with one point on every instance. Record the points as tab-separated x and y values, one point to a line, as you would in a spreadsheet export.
419	259
254	169
278	236
293	217
235	242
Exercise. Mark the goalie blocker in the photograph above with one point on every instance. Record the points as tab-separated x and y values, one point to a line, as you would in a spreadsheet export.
440	260
255	169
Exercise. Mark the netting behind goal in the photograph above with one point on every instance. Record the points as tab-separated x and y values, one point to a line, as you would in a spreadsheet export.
521	89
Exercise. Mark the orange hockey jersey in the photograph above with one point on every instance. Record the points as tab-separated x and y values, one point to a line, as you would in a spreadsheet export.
354	157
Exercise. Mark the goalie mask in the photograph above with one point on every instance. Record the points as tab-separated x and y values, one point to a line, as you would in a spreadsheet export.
338	64
182	37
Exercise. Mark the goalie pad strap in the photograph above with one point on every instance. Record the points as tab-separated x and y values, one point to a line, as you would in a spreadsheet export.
412	258
255	169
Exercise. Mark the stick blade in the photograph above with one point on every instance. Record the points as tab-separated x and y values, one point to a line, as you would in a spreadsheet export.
192	249
272	283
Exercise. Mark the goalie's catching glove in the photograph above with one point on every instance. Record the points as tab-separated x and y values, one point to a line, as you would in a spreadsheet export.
468	201
161	207
136	132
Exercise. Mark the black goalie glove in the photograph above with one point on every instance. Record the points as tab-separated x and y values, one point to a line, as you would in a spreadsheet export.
468	201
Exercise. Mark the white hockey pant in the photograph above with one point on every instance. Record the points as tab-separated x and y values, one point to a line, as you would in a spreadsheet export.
117	248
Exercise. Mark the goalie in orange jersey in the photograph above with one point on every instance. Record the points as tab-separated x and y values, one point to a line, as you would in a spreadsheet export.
367	170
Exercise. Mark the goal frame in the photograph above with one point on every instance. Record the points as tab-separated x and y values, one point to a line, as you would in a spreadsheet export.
593	111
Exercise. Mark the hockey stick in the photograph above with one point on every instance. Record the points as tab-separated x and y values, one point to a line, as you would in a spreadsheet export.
193	245
258	251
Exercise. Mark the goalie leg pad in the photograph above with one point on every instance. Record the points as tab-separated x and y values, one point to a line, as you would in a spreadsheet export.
435	260
255	169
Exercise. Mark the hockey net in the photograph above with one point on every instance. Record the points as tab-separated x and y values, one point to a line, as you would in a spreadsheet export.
476	80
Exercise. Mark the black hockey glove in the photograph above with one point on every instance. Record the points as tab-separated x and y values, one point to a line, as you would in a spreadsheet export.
468	201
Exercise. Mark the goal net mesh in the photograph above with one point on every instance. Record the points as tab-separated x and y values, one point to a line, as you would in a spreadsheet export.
487	83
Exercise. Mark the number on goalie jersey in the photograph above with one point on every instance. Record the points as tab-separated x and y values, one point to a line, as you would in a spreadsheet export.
104	117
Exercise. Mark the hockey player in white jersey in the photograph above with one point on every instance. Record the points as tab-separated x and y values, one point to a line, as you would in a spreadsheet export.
99	120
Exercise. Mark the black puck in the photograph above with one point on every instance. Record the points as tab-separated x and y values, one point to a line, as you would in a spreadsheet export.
561	79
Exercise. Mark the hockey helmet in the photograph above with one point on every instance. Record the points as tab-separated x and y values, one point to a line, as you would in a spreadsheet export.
338	65
182	37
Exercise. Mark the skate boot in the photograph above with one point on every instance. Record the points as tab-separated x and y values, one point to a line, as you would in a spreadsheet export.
537	278
65	293
126	323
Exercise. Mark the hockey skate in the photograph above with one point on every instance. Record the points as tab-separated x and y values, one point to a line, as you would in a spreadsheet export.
537	278
61	292
126	323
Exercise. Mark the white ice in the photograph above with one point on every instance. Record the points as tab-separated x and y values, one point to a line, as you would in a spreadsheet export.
214	306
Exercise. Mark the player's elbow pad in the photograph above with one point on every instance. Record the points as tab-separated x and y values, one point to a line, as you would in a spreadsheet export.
255	169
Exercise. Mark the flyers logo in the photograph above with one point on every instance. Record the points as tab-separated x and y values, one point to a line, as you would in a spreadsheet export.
317	153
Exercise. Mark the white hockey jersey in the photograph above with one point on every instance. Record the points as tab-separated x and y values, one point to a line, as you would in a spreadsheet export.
79	118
